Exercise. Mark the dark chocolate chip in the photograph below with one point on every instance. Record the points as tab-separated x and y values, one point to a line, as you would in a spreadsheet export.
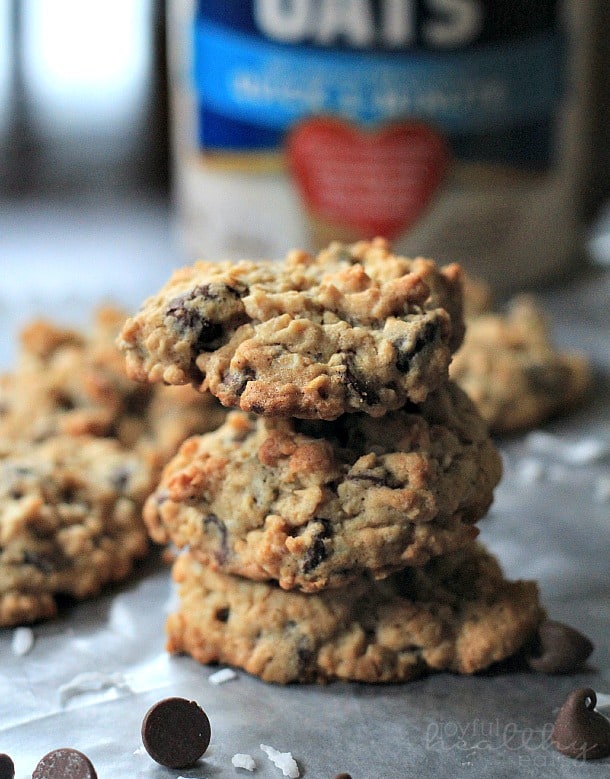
357	385
208	332
212	521
184	311
405	355
370	478
64	763
579	731
236	382
222	615
559	649
176	732
65	402
119	478
39	561
317	552
305	656
7	767
548	380
343	776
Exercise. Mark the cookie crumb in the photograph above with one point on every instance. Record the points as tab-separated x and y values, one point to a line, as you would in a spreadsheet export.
282	760
23	641
241	760
222	676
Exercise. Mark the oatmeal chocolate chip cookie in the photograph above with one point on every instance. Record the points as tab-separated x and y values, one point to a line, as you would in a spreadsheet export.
314	504
457	614
356	328
68	382
510	369
70	521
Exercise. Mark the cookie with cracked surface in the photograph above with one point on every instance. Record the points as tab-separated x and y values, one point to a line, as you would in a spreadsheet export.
356	328
70	521
513	373
457	614
314	504
70	382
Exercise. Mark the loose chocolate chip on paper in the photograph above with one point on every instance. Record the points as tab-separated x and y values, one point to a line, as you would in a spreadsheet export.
7	767
343	776
580	731
64	763
560	650
176	732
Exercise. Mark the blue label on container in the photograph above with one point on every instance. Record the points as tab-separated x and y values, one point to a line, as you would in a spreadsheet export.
488	76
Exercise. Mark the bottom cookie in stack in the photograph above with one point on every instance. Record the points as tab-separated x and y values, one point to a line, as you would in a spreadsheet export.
457	613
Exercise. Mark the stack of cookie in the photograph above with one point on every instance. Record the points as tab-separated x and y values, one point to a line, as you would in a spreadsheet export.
327	528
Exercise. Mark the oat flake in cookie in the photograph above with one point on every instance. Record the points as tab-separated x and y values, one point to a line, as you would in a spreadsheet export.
70	521
457	613
356	328
315	504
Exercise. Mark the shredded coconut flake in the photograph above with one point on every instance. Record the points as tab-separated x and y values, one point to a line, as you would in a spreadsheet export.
91	681
222	676
243	761
282	760
583	452
23	641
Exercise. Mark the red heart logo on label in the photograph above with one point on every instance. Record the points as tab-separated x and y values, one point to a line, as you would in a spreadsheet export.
377	182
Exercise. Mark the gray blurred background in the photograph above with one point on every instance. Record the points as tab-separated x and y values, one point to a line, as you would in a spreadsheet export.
83	107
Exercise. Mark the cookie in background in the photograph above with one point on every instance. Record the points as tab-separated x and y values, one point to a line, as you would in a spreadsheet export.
510	367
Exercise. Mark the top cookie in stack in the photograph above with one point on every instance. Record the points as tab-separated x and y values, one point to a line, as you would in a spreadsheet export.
356	328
